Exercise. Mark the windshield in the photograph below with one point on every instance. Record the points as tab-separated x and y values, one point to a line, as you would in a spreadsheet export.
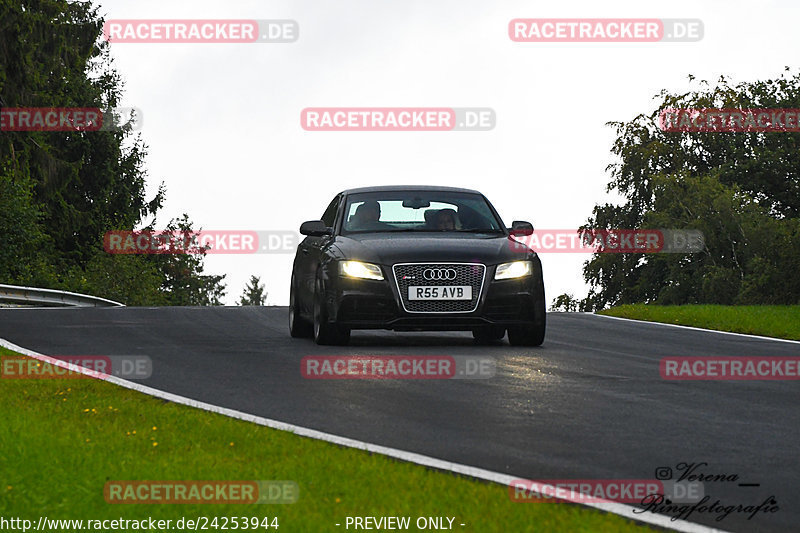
441	211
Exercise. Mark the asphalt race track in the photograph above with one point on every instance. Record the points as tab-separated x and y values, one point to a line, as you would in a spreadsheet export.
589	404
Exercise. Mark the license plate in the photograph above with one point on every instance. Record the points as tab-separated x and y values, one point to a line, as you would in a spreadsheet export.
440	292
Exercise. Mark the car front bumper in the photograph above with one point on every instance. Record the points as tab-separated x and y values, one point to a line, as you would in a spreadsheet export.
370	304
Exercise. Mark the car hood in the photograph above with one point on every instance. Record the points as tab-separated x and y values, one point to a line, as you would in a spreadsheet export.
392	248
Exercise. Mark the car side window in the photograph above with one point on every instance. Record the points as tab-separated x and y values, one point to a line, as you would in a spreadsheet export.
329	216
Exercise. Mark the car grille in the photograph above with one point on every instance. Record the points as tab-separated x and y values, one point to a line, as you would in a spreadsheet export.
408	274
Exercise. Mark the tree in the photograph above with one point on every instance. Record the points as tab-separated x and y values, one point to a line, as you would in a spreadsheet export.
85	182
565	302
25	248
742	190
130	279
61	191
182	271
253	293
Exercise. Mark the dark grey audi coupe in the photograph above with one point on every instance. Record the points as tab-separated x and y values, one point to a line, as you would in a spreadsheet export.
412	258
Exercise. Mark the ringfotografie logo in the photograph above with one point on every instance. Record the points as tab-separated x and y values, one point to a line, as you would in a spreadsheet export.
750	505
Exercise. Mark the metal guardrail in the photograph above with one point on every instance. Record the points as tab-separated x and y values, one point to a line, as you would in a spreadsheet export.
31	296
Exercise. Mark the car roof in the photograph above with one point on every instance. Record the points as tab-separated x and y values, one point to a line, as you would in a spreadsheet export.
383	188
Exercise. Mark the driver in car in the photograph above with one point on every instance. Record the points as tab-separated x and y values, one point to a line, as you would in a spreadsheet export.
446	220
367	216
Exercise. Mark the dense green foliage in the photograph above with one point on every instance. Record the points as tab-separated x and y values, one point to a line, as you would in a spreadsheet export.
61	191
742	190
253	293
565	302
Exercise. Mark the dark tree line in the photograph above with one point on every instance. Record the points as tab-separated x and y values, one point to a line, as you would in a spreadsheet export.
61	191
741	189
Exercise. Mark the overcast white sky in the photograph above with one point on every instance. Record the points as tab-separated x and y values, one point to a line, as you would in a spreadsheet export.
222	121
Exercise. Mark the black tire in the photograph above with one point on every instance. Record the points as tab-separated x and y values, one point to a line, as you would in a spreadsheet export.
530	334
299	327
488	334
326	333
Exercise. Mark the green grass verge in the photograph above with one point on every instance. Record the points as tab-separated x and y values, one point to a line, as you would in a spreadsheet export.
780	321
62	439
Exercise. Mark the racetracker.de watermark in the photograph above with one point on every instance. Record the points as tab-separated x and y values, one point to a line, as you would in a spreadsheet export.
583	490
201	492
732	368
76	367
69	119
286	242
397	367
605	30
397	119
200	31
614	241
199	242
718	120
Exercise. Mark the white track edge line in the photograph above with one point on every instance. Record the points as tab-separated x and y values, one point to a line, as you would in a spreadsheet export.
625	511
695	328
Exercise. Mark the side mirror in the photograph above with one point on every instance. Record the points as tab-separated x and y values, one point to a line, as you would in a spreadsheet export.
521	228
315	228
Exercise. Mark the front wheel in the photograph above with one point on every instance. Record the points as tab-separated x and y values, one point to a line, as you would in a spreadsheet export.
488	334
531	334
326	333
298	326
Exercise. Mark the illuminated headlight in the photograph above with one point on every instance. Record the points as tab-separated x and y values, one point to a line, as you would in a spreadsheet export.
357	269
515	269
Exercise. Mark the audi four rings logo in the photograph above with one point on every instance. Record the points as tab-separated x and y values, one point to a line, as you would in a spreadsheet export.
439	273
